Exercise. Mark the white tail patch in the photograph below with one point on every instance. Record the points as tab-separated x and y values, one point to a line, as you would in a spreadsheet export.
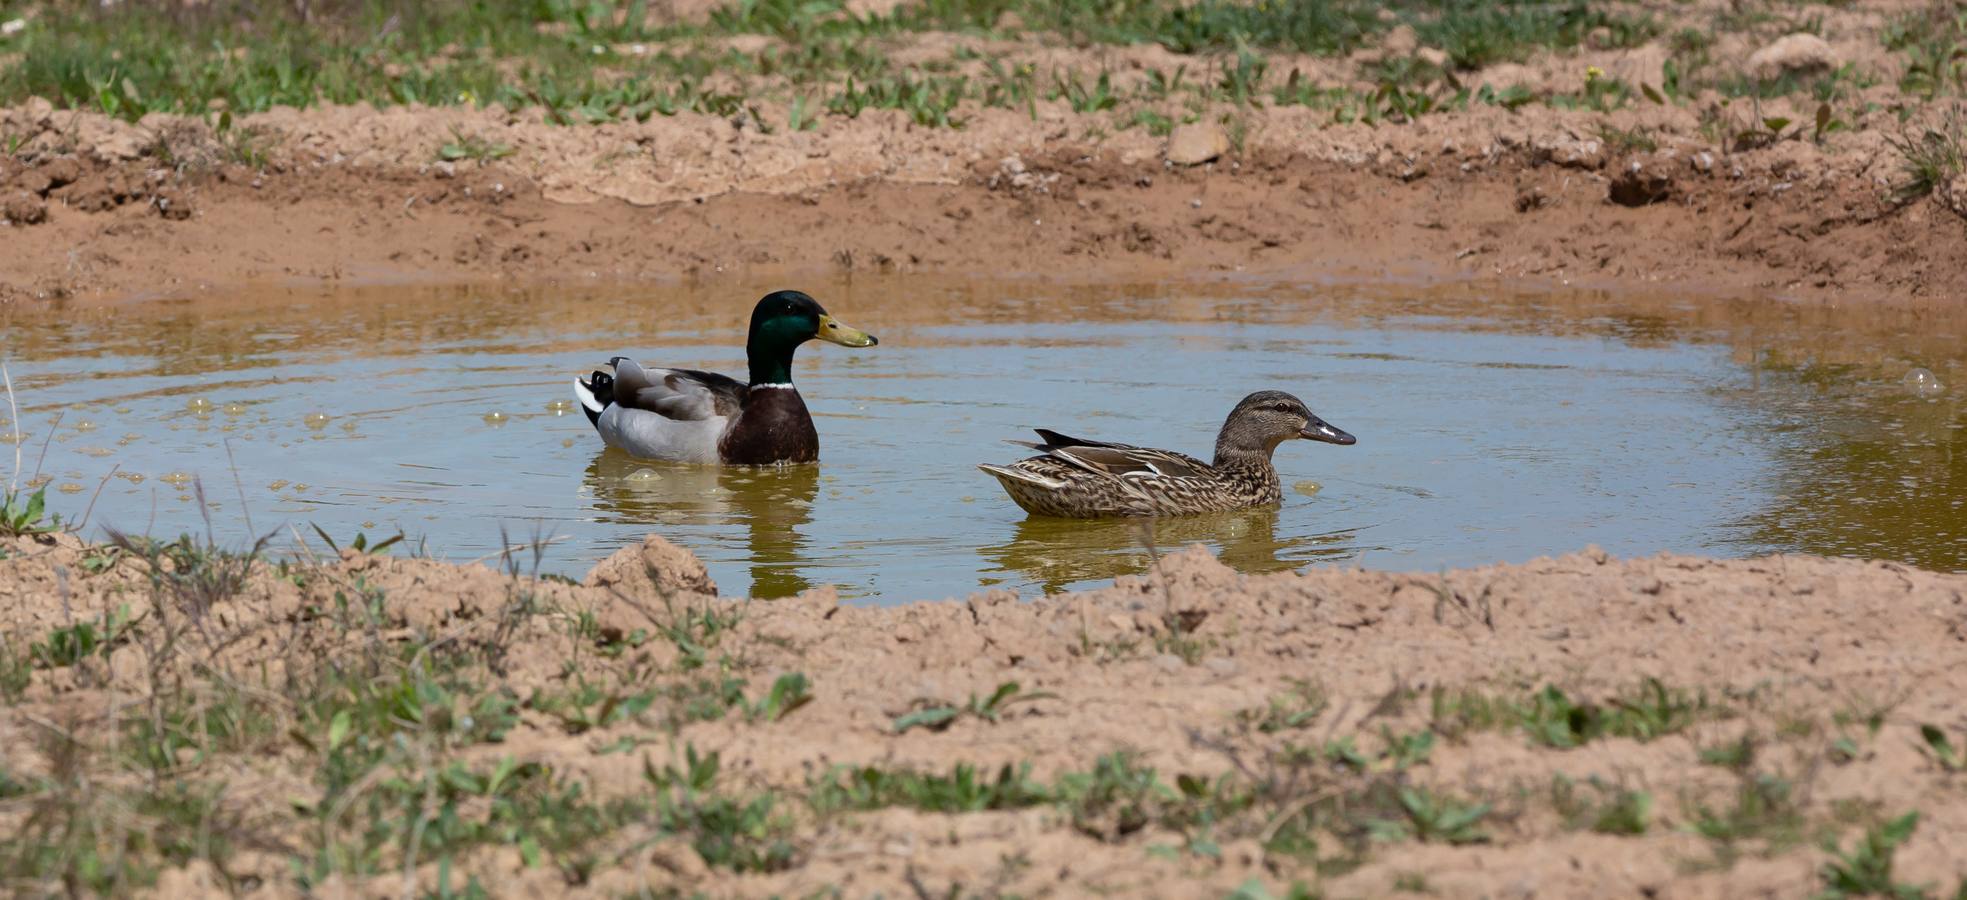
587	397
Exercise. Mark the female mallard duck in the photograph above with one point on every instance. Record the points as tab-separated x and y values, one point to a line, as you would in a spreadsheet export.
1078	479
684	415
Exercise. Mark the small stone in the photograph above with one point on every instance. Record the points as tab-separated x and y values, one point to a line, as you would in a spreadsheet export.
1792	53
1570	153
1193	145
1531	198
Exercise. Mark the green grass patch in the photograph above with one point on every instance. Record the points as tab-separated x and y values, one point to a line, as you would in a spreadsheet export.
939	716
1600	807
27	514
1930	157
1552	718
1866	869
962	790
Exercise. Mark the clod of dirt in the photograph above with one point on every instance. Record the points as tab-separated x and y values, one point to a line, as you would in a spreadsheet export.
24	208
1531	198
656	567
1792	53
1641	183
59	172
112	140
1401	41
1953	195
1193	145
172	205
1570	153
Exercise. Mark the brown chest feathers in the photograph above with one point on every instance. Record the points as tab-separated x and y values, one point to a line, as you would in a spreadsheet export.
773	427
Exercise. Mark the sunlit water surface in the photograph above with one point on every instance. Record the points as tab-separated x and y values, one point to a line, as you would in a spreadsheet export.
1493	426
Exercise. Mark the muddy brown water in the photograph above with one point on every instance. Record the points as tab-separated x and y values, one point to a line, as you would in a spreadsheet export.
1494	424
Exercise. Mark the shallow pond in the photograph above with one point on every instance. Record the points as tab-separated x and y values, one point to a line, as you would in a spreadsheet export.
1493	425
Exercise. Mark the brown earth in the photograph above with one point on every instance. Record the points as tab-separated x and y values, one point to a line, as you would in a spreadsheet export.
1794	654
1824	670
353	195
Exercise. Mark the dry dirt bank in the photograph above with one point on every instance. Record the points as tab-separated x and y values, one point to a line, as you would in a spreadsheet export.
1358	733
352	195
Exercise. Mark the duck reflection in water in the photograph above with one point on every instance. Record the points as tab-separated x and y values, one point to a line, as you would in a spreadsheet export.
771	503
1059	553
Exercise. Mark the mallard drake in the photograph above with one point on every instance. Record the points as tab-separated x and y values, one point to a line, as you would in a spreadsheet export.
683	415
1082	479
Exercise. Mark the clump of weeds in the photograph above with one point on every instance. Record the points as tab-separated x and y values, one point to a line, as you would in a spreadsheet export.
939	716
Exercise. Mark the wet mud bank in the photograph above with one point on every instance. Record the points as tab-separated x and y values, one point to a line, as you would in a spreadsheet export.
98	208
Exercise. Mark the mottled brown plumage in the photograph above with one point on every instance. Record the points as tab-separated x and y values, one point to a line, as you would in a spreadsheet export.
1083	479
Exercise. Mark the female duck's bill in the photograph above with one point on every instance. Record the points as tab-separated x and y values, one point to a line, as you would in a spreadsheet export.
685	415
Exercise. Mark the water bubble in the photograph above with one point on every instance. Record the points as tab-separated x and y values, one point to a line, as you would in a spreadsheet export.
69	487
644	474
121	409
298	488
348	426
1923	383
567	442
39	480
199	405
495	418
1308	488
175	479
85	426
276	484
560	407
97	452
184	498
130	438
131	477
315	420
235	409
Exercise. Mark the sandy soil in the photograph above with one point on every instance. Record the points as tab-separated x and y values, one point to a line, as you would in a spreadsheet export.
1824	670
286	730
354	195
